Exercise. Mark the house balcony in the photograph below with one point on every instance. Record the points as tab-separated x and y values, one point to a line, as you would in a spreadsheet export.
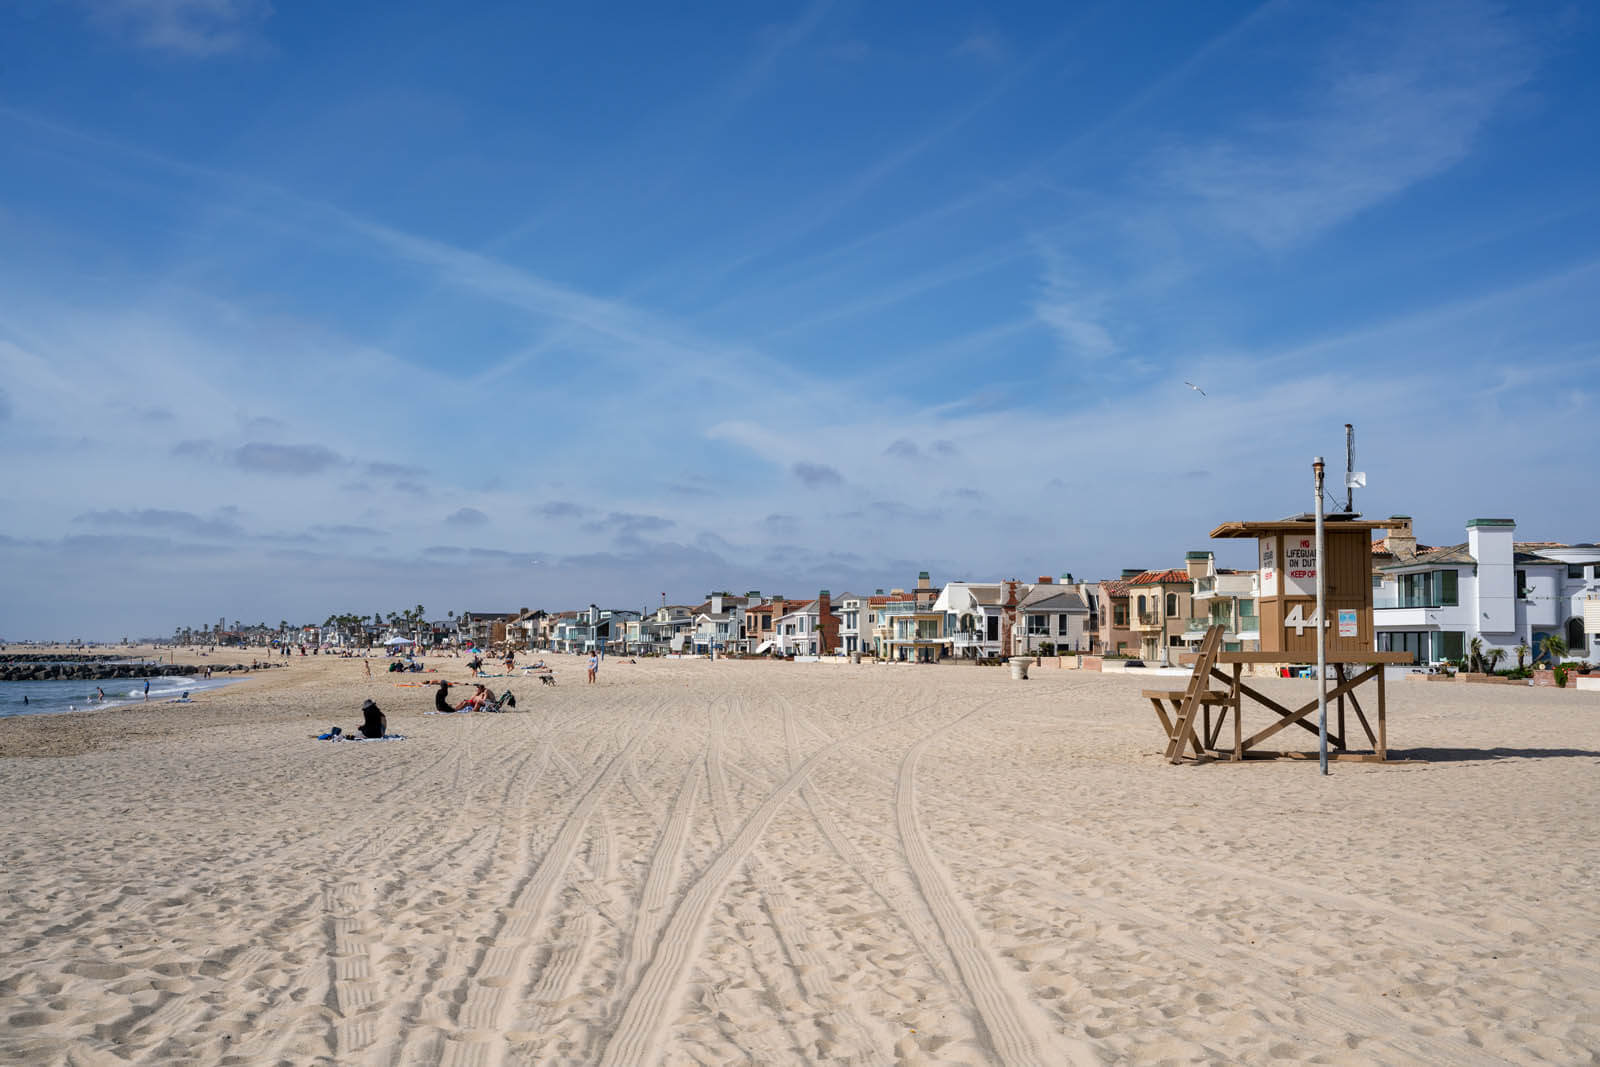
1148	621
1195	628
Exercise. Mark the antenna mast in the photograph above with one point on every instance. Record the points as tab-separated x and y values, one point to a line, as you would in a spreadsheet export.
1349	468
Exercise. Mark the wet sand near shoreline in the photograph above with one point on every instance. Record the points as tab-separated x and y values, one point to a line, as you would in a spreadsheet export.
789	863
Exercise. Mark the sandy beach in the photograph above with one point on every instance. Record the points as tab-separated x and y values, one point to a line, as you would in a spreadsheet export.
714	863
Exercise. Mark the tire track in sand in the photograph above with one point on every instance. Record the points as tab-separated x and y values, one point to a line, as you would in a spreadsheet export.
651	915
481	1038
1018	1031
637	1037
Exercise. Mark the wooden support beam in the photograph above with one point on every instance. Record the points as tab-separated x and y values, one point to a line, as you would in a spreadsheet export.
1356	704
1299	715
1383	737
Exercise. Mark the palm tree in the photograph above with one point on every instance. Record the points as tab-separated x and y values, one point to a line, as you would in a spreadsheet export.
1553	646
1522	654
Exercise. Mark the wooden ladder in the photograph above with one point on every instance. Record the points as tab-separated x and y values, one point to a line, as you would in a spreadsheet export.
1183	728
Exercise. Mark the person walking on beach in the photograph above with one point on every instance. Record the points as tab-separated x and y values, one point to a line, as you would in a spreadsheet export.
367	663
147	689
594	666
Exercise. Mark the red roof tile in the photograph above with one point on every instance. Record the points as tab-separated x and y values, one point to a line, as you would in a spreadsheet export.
1168	577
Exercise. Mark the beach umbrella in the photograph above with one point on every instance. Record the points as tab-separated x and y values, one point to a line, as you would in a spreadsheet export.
399	641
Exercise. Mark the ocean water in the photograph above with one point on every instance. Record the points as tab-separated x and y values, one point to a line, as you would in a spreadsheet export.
45	698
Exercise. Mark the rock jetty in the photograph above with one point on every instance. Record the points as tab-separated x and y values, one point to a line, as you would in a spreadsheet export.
42	668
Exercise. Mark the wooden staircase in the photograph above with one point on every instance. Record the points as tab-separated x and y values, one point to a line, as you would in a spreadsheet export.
1193	695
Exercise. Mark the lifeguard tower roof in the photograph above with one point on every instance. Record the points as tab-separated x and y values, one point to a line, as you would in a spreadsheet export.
1295	524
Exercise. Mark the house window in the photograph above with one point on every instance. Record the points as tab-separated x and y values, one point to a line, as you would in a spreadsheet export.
1119	615
1574	570
1142	610
1447	589
1172	603
1247	609
993	630
1038	624
1447	644
1062	625
1576	640
1522	583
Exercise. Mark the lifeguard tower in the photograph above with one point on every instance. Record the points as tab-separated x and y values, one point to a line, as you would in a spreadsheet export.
1287	557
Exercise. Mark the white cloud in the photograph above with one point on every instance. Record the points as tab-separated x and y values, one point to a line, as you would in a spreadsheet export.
182	27
1403	100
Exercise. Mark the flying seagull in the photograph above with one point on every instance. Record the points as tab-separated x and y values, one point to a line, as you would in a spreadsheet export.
1196	388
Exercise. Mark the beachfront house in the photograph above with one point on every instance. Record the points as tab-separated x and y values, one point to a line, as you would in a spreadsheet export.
807	628
1050	618
483	628
669	628
985	620
1116	637
760	622
1504	592
974	618
908	628
523	630
852	617
719	624
1222	597
1160	602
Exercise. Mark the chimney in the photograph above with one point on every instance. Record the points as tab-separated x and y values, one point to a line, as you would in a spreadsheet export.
1133	572
922	580
1045	579
716	604
827	624
1399	538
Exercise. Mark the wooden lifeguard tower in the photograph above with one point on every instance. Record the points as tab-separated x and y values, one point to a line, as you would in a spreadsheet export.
1287	558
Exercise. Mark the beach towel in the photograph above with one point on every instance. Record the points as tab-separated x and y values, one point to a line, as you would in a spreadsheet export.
337	734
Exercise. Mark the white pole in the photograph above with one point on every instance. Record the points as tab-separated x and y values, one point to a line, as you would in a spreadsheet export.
1322	633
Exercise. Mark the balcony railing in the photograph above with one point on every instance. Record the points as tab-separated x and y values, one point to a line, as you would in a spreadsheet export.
1204	623
1148	620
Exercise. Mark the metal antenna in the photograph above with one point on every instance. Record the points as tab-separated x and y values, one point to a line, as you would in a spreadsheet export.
1349	467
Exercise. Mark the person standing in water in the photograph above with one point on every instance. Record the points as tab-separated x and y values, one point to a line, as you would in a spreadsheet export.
147	689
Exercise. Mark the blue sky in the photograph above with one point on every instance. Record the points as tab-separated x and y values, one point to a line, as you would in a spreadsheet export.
315	308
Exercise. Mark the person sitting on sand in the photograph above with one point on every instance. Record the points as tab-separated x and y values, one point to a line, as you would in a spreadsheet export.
374	723
476	701
441	702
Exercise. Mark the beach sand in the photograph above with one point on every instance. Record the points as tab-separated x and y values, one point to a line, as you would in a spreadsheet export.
708	863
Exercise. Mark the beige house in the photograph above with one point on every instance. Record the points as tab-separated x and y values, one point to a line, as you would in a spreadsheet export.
1158	612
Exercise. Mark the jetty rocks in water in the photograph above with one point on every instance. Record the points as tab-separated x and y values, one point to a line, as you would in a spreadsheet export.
34	667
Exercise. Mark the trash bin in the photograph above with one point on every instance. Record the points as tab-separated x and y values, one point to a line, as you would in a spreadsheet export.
855	657
1019	667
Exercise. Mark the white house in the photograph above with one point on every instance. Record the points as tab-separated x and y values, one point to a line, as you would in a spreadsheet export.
1051	615
854	633
719	624
977	614
1504	592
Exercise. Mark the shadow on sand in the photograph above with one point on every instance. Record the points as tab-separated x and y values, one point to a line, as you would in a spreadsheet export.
1445	755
